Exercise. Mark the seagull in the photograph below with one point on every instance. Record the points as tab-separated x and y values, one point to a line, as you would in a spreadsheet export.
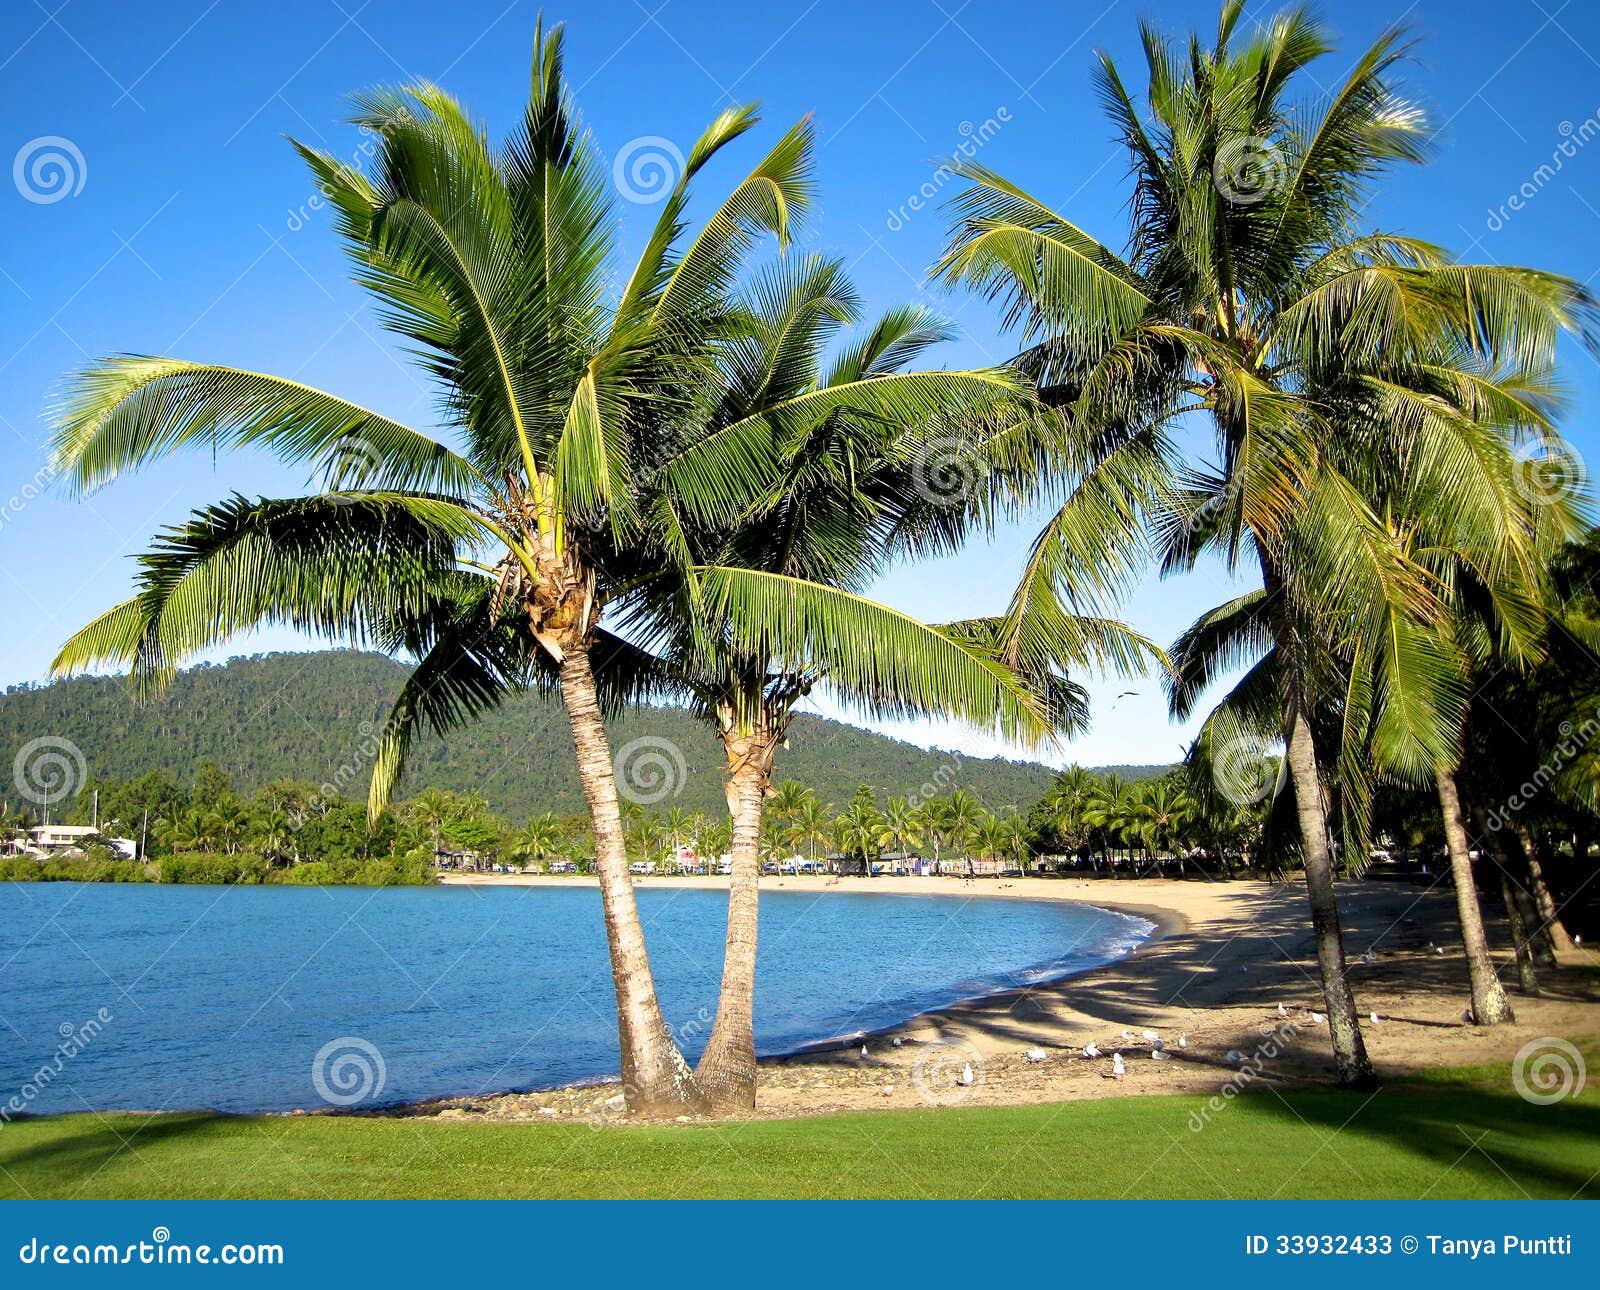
1151	1036
1160	1055
897	1041
1318	1019
1036	1055
1439	950
966	1075
1369	957
863	1050
1156	1046
1234	1057
1466	1016
1183	1040
1282	1011
1091	1049
1117	1067
1373	1018
1127	1036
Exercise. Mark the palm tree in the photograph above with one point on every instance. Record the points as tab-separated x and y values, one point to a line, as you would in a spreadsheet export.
1163	813
715	839
1017	836
182	831
808	826
539	839
431	810
904	823
644	833
861	831
494	565
1112	809
679	825
1498	582
850	445
1320	353
961	816
995	839
1066	802
226	824
788	799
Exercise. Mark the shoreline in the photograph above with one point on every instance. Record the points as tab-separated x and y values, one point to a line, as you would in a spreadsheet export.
1221	962
1165	922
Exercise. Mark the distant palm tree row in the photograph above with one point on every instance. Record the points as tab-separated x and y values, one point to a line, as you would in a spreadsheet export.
675	478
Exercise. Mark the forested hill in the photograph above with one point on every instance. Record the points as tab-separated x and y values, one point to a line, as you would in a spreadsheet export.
304	716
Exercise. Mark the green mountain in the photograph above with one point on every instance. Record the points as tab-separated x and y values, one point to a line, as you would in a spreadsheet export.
312	716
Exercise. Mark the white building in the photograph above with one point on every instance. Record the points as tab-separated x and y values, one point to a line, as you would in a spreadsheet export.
46	840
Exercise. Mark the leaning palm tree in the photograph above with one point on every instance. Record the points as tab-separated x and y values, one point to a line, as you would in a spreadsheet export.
1318	352
493	561
1497	581
853	446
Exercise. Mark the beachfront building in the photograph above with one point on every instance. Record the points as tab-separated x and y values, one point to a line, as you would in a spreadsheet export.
47	840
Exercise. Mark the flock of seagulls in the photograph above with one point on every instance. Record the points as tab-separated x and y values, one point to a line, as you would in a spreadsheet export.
1119	1065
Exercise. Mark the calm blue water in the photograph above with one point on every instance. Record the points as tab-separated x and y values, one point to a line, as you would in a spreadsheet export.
223	997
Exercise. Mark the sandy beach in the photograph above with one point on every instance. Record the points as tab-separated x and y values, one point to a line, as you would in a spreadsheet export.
1224	957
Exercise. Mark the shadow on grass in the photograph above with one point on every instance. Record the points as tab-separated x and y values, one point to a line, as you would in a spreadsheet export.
1508	1144
95	1140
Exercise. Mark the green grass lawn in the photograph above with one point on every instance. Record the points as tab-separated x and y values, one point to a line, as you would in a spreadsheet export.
1465	1135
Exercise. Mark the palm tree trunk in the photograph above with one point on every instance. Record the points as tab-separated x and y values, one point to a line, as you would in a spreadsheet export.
1490	1007
1349	1049
726	1072
1520	914
1527	974
1550	924
655	1078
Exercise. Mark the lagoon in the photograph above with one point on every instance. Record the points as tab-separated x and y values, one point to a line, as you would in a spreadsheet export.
166	998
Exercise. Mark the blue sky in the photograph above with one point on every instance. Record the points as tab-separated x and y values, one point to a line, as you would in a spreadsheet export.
188	225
